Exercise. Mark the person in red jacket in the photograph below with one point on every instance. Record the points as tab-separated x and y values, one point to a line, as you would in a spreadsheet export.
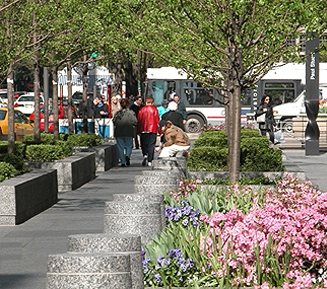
147	127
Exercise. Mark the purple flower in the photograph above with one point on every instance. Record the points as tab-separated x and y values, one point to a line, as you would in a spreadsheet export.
157	278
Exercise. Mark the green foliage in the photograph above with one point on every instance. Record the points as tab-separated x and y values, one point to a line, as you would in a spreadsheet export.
210	152
7	171
84	140
67	149
44	153
216	138
16	161
208	158
45	138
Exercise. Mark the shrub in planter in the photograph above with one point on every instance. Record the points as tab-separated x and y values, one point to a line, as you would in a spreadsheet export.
16	161
213	138
67	149
208	158
7	171
84	140
19	148
45	138
255	152
247	132
45	153
257	156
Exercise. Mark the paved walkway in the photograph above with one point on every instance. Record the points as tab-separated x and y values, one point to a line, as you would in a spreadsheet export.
24	249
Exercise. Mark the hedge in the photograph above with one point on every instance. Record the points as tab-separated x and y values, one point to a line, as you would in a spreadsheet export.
210	152
44	153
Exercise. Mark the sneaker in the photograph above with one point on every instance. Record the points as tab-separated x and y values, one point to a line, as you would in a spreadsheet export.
128	161
149	164
123	165
145	158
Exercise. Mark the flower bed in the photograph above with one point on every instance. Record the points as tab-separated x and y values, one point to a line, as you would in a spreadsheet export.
241	237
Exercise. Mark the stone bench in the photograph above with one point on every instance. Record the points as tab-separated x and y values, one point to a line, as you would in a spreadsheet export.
74	171
27	195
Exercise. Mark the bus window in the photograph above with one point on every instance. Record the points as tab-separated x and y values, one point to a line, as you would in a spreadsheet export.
246	99
281	92
158	87
198	96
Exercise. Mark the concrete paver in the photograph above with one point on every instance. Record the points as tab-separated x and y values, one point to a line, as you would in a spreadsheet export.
24	249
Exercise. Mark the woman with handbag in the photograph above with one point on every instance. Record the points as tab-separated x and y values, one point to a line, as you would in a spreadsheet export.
265	117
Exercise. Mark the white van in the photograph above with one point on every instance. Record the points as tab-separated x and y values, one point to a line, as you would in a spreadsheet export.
284	113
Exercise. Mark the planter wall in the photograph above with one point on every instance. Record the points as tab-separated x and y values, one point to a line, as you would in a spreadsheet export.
73	171
27	195
106	156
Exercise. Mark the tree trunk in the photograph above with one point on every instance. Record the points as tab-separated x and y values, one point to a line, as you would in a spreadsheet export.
10	106
117	70
84	100
70	93
131	79
54	74
235	134
36	99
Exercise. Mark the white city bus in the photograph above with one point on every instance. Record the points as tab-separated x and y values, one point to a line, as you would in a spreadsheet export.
284	84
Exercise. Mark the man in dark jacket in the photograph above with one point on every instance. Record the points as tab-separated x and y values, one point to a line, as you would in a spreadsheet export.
136	106
175	117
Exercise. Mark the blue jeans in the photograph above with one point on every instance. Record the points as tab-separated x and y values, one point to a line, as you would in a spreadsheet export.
124	143
148	142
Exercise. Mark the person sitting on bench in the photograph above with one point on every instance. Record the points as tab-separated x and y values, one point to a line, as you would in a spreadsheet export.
175	140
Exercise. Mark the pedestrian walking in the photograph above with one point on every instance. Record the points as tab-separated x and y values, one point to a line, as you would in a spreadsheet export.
163	108
265	117
147	127
136	106
180	107
124	123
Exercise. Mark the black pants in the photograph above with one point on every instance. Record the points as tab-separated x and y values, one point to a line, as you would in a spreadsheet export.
270	132
136	139
148	142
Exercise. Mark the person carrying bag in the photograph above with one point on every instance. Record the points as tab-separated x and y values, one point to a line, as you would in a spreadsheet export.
265	117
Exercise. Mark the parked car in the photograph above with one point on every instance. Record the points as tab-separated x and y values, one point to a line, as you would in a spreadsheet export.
25	103
61	115
22	124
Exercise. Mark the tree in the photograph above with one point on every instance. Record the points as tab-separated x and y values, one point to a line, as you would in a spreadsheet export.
17	42
228	44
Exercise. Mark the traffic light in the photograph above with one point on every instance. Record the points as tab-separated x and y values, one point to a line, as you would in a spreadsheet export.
94	54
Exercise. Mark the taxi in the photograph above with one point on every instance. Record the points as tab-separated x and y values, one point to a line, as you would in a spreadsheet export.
22	124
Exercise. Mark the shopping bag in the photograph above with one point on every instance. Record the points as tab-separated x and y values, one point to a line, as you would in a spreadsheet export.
279	137
261	118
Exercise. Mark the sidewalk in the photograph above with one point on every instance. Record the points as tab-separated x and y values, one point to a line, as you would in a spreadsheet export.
314	167
24	248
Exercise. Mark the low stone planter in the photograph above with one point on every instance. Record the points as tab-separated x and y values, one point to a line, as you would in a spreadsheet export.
72	172
106	156
272	176
27	195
